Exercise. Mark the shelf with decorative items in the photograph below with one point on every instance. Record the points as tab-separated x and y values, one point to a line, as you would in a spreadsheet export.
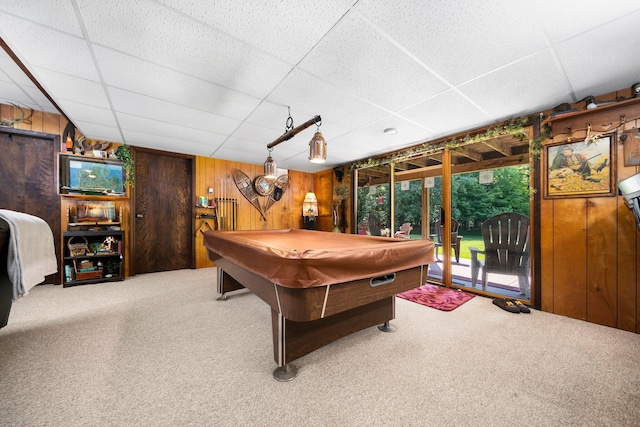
92	257
100	224
94	201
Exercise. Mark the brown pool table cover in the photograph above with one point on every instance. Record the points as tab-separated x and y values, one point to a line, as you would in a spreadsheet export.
297	258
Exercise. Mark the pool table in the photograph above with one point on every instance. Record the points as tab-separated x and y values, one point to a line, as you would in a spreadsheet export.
320	286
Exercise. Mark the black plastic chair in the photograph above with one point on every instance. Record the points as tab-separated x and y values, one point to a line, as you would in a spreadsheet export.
506	249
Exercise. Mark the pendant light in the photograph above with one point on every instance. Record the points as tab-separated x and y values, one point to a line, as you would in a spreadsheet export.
318	147
270	167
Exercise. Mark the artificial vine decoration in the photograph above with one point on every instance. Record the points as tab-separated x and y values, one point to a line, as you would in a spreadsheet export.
123	153
535	145
514	127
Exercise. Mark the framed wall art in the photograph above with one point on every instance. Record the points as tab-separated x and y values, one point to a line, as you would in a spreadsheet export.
631	148
580	168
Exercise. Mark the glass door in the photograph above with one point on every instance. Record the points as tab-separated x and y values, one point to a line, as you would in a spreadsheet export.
408	209
487	204
373	201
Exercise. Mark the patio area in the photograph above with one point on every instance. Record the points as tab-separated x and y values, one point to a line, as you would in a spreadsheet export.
499	284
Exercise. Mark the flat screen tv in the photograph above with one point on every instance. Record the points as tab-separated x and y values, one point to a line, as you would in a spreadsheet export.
91	175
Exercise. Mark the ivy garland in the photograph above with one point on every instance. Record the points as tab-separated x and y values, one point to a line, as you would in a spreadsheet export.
515	127
123	153
535	145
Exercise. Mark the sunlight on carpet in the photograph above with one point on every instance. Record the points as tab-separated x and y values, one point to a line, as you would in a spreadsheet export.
437	297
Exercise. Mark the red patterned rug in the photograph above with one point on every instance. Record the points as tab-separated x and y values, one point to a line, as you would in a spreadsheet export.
437	297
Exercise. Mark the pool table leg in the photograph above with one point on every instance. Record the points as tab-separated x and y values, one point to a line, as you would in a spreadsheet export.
226	284
387	327
292	340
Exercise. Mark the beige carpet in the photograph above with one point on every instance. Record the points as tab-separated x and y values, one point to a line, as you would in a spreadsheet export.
159	350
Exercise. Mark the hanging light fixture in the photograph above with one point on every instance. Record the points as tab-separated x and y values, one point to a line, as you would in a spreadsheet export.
270	168
318	147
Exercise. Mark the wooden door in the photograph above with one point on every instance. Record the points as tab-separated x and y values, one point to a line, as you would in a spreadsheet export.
162	211
28	179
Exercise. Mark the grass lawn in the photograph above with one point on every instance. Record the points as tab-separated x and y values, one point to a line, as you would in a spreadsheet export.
470	239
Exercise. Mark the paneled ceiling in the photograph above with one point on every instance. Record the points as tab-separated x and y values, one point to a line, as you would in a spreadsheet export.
217	78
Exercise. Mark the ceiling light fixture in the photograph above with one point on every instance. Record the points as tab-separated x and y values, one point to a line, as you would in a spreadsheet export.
317	146
390	131
270	167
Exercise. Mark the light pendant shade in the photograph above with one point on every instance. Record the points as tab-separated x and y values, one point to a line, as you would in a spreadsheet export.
270	168
317	149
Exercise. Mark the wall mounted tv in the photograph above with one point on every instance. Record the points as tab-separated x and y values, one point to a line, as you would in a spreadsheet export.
91	176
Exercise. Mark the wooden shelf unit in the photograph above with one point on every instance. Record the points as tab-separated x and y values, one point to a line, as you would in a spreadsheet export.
107	265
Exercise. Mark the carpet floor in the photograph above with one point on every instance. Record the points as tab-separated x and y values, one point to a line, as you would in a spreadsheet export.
160	350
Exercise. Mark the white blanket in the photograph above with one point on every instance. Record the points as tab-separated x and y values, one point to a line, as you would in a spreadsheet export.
32	253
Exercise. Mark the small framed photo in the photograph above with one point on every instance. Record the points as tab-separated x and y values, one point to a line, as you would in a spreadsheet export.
580	169
631	148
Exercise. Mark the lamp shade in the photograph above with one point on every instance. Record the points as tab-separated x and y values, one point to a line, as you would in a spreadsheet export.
317	149
310	205
310	198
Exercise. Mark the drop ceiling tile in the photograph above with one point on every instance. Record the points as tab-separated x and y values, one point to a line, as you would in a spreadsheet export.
285	29
372	139
313	96
274	118
573	18
247	138
169	38
135	75
269	115
357	58
595	65
340	152
144	106
11	71
71	88
247	151
461	40
531	85
13	94
99	132
36	45
442	113
301	163
42	103
87	113
26	96
141	139
225	153
256	133
56	14
169	130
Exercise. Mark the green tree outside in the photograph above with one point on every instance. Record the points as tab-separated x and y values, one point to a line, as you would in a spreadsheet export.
472	202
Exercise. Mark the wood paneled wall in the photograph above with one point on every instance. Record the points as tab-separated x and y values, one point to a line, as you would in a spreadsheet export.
286	213
590	246
40	121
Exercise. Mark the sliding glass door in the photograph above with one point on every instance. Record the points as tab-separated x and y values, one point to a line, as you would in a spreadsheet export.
451	196
373	201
